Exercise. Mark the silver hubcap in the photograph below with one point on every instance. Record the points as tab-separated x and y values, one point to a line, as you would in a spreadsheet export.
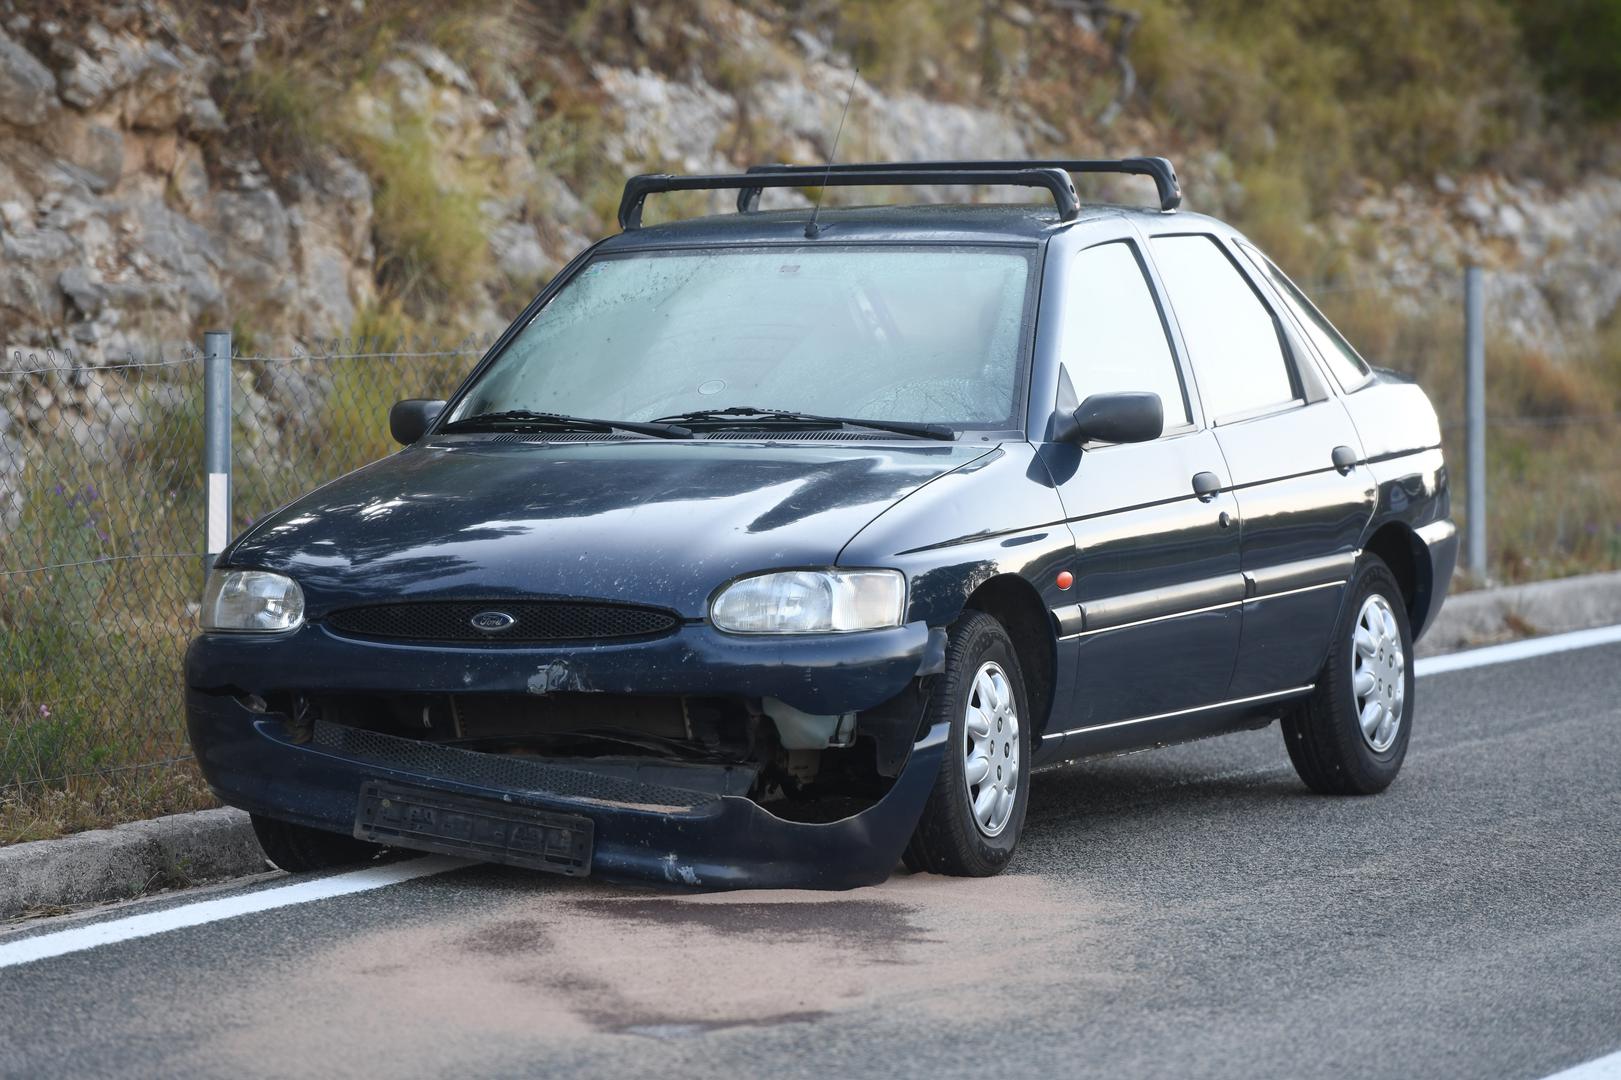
1379	673
991	749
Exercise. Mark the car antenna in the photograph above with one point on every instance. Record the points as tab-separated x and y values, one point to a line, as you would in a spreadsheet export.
811	230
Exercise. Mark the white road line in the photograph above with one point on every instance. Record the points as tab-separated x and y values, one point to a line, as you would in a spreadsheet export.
79	938
1518	650
1604	1068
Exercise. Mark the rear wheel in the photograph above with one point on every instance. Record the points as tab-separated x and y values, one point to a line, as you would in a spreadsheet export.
974	815
1350	736
298	848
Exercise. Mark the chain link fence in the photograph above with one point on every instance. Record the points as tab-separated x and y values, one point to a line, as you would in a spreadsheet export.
102	537
103	505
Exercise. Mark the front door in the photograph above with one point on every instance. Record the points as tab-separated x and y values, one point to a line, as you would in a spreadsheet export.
1154	623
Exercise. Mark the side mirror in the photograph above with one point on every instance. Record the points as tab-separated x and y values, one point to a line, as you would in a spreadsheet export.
409	419
1124	417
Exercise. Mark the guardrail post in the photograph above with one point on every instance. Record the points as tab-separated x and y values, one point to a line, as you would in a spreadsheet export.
1474	403
217	441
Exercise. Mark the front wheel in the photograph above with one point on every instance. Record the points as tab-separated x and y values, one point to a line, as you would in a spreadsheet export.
1350	736
298	849
972	820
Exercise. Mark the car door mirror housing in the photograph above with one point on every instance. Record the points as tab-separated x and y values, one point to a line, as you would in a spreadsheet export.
1122	417
410	419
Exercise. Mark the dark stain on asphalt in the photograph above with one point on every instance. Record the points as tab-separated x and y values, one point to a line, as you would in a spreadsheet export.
877	928
505	937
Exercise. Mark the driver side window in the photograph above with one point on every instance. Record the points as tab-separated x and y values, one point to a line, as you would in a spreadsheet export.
1117	338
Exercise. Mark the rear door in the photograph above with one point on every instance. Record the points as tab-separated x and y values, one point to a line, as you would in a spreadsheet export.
1293	454
1154	623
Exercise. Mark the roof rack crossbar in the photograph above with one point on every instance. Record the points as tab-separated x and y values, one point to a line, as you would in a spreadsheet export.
1159	169
1053	179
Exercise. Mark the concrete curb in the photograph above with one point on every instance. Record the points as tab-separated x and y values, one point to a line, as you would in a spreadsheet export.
209	845
1520	611
127	861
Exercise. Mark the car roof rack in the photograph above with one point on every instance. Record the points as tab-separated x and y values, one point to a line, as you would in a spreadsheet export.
1160	169
1054	178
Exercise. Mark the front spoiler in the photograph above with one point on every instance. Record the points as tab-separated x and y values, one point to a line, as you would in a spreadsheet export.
726	842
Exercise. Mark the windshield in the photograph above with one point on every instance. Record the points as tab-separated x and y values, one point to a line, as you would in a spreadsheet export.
927	334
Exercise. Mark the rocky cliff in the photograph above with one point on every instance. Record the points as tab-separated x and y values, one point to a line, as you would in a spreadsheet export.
161	172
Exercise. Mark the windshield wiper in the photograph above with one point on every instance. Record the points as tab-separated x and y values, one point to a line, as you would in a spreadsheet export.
744	415
528	419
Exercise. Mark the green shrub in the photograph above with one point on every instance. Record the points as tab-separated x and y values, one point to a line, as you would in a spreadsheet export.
1338	91
1576	45
283	110
431	246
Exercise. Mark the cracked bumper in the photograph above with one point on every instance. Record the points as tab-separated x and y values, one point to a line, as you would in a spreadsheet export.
723	841
818	673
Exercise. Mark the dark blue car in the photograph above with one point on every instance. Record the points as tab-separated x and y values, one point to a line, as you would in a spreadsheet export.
766	551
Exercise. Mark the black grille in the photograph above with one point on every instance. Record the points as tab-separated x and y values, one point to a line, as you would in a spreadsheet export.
532	621
511	772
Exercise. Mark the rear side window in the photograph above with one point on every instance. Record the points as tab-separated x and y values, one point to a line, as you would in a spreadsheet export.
1346	364
1119	340
1231	335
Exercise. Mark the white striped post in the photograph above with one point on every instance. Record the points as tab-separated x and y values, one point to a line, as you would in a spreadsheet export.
217	440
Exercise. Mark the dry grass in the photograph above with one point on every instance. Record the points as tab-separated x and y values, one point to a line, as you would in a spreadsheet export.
99	801
1553	492
92	727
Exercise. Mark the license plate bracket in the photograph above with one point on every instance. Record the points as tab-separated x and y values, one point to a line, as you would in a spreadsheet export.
423	819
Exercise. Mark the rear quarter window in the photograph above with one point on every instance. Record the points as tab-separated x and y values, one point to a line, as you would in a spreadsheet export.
1350	370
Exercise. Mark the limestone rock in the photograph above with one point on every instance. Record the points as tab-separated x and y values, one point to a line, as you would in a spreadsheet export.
27	87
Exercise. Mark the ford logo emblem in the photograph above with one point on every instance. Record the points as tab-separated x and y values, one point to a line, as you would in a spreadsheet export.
492	622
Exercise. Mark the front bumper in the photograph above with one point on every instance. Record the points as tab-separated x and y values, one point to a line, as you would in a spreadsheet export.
714	841
823	674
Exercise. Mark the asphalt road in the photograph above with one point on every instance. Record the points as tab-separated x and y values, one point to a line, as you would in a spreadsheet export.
1187	912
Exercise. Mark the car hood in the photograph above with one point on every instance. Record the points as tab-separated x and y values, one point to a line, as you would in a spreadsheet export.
652	522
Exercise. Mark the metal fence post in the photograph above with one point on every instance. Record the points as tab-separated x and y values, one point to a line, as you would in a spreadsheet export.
1474	403
217	440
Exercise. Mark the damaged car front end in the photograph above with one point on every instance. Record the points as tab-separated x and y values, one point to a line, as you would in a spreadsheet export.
449	677
692	770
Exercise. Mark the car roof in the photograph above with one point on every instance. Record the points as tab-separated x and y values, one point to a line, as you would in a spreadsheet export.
930	222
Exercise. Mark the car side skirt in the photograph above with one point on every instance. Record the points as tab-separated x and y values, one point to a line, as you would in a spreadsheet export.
1163	729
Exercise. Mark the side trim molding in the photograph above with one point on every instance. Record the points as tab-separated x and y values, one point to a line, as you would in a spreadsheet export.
1289	576
1198	597
1255	700
1070	620
1112	611
1295	592
1157	618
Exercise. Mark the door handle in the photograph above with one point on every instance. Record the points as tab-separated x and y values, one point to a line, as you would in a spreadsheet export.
1344	459
1206	485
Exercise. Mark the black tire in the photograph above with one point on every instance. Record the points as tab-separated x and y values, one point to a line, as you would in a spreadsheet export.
298	848
1324	732
948	839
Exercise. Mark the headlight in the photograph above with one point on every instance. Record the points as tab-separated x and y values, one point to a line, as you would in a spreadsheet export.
811	602
251	601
